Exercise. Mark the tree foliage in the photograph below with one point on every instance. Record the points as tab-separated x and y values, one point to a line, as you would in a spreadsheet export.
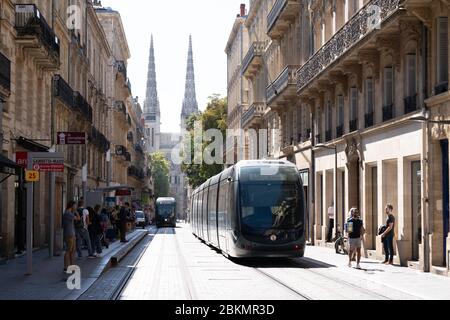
214	117
160	167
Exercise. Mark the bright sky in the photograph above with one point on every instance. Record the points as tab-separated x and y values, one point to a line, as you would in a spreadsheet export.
171	22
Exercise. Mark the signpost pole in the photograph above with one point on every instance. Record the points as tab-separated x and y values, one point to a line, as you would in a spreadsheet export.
30	219
52	214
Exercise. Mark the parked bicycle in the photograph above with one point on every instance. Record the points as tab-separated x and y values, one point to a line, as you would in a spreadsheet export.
340	242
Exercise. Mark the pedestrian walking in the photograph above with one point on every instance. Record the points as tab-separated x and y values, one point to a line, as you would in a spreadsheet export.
330	222
95	228
81	230
105	225
69	218
124	217
355	229
388	235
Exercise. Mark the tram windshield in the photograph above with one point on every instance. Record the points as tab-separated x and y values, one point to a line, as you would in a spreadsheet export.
166	210
271	203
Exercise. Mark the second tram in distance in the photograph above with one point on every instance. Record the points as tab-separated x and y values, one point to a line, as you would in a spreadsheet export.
165	212
253	209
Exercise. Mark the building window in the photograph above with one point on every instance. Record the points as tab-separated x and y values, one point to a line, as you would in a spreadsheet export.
411	83
369	103
442	55
388	93
353	109
329	121
340	116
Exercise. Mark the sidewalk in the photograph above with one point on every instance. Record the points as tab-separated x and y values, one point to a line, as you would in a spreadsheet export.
374	274
48	281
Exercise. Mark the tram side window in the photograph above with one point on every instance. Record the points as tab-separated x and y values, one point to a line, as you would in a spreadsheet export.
222	203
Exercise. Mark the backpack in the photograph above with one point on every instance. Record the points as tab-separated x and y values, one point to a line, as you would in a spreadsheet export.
381	230
79	224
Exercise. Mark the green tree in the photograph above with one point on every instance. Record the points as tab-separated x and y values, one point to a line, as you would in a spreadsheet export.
214	117
159	167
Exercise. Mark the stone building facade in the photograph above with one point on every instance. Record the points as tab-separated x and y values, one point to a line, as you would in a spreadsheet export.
363	84
56	76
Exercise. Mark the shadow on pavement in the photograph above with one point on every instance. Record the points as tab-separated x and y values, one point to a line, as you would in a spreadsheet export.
301	263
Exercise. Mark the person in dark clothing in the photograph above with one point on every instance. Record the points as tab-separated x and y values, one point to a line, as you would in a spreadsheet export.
95	228
124	217
356	231
388	235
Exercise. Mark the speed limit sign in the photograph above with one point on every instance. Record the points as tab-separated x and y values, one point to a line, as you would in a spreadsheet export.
32	176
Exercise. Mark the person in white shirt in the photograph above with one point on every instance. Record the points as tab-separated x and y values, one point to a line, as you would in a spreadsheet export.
331	222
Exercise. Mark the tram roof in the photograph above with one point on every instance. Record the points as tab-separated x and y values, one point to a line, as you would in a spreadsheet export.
251	163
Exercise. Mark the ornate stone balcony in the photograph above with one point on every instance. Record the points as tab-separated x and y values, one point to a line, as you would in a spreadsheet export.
282	14
36	36
253	61
283	87
5	75
353	32
63	91
253	115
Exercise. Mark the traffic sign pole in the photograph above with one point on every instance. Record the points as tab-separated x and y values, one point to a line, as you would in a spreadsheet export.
30	220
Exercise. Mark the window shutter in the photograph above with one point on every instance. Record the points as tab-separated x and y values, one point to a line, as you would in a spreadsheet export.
388	86
442	49
411	74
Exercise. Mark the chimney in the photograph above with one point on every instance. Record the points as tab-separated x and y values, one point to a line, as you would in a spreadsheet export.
242	9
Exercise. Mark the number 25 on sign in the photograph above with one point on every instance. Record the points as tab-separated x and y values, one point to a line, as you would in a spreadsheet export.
32	176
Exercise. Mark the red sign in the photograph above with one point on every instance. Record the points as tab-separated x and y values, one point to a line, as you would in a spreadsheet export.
48	165
71	138
22	159
123	192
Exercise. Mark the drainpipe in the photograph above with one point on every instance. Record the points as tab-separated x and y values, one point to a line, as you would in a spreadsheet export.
312	179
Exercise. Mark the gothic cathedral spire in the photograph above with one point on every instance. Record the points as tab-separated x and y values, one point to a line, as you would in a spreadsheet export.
152	112
190	105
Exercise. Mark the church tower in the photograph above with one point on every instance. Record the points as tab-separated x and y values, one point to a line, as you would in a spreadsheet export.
190	105
152	112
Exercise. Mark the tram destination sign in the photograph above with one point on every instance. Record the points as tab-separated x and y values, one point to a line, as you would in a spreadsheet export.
71	138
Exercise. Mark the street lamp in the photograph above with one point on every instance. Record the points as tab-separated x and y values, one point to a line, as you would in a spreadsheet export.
333	147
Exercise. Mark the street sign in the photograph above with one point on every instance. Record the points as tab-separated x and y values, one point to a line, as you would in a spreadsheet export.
123	193
31	176
48	162
71	138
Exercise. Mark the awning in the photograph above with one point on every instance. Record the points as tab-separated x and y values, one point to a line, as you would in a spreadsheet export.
8	167
31	145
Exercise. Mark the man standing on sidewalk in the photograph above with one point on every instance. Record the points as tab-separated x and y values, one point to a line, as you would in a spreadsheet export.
69	217
81	229
331	222
355	233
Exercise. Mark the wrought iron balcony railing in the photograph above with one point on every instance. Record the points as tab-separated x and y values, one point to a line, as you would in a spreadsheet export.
353	125
256	110
281	11
353	32
388	112
30	22
411	104
83	106
138	148
130	136
368	120
63	91
285	79
5	72
254	53
136	172
98	139
319	139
